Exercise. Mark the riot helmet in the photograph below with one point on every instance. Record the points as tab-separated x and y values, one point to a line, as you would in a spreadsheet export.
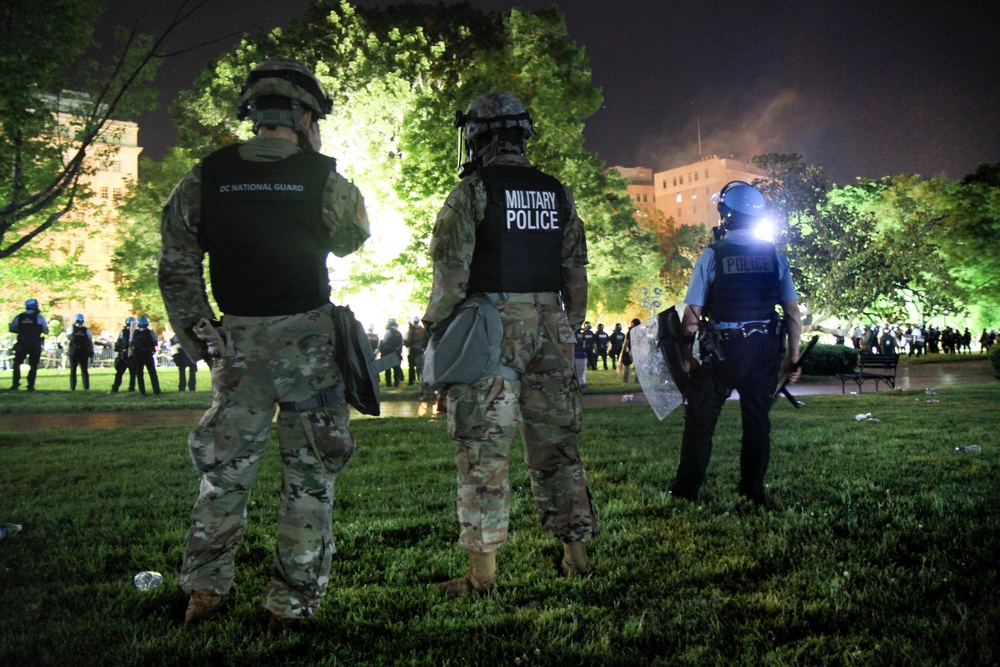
277	92
143	321
78	319
494	123
31	304
391	323
740	205
129	320
600	327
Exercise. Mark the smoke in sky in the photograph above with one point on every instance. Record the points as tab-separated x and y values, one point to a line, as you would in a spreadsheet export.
783	123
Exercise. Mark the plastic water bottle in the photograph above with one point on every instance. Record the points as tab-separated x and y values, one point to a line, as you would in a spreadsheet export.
147	580
8	529
969	449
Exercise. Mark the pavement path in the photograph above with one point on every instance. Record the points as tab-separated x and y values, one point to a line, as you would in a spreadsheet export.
916	377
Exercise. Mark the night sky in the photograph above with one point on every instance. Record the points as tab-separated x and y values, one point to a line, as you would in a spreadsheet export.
860	88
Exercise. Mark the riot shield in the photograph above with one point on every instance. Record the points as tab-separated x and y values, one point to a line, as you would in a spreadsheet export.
652	369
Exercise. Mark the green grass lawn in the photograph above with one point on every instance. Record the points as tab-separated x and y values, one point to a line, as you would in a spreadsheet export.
881	547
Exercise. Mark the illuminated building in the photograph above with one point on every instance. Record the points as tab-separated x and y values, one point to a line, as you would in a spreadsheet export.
684	193
114	161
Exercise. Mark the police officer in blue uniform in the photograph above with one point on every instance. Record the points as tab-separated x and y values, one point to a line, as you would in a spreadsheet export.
81	352
736	284
29	327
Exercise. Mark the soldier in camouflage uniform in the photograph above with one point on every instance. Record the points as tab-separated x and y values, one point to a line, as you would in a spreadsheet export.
537	275
268	212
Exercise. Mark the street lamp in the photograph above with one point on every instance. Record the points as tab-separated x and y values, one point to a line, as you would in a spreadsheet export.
655	302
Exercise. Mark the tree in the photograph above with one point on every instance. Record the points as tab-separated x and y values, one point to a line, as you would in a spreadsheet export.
50	139
397	75
134	261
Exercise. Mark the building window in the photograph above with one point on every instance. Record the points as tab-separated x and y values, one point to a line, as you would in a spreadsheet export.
680	197
665	183
696	175
116	166
104	192
117	192
706	174
694	193
679	214
645	198
675	182
680	179
694	210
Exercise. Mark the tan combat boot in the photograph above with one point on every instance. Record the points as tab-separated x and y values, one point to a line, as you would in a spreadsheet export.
480	578
576	562
201	606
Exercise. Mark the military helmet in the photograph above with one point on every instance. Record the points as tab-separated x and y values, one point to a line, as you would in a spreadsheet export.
282	79
79	318
495	122
738	202
31	304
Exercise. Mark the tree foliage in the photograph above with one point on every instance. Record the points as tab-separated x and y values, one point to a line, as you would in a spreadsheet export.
888	249
397	75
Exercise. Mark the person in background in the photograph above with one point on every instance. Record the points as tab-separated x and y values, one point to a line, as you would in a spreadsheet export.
142	349
123	361
81	352
537	276
617	342
626	356
601	340
416	343
31	329
392	343
187	368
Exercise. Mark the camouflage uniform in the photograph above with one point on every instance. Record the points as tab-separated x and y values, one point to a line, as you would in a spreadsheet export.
281	359
544	404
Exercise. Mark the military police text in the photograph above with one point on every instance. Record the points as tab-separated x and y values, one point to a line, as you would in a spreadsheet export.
529	210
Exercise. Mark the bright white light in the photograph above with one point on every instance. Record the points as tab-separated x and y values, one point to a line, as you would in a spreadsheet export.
764	230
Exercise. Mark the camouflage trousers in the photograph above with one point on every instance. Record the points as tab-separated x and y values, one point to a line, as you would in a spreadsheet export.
544	405
275	360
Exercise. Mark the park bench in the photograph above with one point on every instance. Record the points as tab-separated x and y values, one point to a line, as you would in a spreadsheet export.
877	367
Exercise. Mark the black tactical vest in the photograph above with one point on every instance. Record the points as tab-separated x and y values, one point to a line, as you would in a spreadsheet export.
262	226
78	339
28	328
745	287
519	241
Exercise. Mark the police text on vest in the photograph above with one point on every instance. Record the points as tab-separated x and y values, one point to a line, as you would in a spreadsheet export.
747	264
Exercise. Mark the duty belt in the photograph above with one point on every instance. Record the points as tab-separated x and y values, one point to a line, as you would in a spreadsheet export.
537	298
746	330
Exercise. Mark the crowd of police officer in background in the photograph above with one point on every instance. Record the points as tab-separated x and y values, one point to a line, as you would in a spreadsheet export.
135	350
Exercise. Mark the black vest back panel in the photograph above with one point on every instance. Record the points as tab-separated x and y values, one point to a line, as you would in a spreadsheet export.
28	328
78	339
519	242
745	287
262	227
